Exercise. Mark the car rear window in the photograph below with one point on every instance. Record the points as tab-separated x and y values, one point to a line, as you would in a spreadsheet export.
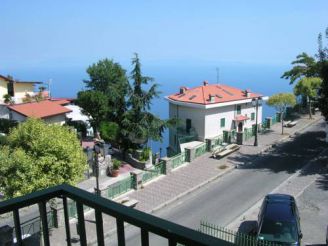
283	231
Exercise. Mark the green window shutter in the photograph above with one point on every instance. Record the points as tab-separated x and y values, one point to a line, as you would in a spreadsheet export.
238	109
253	116
222	123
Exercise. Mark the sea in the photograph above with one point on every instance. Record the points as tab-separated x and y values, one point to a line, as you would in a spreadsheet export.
66	81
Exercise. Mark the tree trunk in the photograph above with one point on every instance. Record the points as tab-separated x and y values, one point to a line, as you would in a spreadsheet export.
282	125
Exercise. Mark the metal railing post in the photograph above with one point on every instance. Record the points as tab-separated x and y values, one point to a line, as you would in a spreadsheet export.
18	230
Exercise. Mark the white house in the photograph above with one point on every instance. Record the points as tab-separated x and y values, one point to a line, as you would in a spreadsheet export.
208	110
50	111
16	89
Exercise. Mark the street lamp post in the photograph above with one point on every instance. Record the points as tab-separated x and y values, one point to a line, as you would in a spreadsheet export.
256	102
97	152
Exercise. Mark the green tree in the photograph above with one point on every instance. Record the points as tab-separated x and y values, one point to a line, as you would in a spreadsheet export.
110	78
140	124
304	66
8	99
280	102
109	131
95	105
308	87
37	156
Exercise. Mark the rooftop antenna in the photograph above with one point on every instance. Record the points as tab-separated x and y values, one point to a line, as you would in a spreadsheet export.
217	75
49	88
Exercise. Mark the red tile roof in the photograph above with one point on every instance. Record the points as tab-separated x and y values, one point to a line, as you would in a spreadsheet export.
42	109
61	101
211	94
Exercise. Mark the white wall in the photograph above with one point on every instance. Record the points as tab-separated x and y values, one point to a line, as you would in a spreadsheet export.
207	122
16	116
213	120
214	115
196	115
57	119
3	89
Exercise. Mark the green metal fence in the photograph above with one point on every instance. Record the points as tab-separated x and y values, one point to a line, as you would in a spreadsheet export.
237	238
156	171
200	150
248	133
72	211
178	160
119	188
218	140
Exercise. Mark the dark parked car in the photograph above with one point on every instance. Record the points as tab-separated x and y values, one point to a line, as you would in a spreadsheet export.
279	221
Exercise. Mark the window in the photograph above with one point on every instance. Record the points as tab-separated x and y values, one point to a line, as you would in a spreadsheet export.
252	116
10	89
188	125
222	122
238	109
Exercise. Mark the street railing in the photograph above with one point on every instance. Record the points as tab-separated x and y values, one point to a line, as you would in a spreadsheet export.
147	223
237	238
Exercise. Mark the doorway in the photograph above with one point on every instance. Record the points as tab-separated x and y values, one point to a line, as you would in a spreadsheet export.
240	127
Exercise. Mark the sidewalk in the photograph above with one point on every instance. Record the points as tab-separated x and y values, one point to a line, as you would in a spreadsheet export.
187	178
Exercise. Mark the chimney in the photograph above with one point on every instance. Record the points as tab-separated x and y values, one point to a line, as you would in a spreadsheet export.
212	98
183	89
205	83
247	93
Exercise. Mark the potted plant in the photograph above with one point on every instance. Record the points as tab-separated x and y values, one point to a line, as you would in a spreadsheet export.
116	167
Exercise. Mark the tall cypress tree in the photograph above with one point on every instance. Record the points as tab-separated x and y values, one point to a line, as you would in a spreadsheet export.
140	123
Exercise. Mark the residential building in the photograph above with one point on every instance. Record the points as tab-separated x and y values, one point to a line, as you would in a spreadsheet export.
50	111
207	111
16	89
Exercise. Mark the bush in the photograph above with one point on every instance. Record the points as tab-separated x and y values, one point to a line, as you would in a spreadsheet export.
116	164
145	154
3	140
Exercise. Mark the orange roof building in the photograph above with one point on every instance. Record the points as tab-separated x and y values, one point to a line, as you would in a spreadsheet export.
209	110
47	110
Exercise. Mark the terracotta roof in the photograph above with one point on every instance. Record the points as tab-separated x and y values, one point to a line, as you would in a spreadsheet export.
211	94
61	101
240	118
42	109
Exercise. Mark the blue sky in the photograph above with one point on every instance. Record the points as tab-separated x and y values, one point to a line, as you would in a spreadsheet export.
43	33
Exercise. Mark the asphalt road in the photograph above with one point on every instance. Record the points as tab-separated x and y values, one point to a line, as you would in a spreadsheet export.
312	205
222	201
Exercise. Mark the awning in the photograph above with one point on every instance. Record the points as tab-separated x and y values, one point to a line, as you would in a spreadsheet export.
240	118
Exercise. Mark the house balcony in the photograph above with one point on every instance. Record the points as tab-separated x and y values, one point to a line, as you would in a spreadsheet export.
185	135
174	233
